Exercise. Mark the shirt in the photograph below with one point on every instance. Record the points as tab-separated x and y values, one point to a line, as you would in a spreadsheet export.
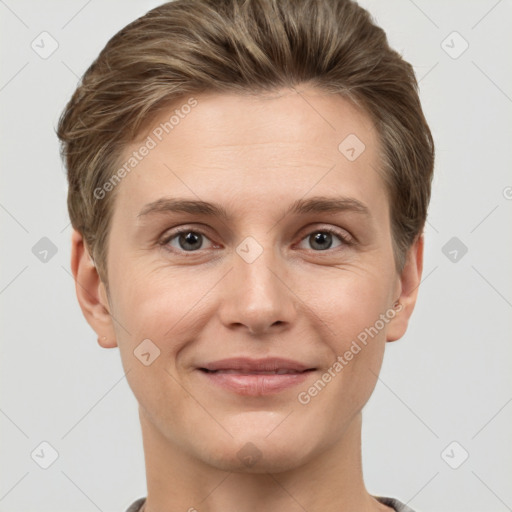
398	506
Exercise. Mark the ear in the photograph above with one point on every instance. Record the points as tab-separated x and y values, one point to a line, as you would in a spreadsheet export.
409	282
91	292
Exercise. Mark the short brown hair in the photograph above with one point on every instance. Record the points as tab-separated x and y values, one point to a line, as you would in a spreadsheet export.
245	46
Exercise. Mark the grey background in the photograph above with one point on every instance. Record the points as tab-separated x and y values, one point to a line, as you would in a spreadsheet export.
447	380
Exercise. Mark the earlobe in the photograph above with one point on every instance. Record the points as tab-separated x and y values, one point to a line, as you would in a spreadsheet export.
91	293
410	280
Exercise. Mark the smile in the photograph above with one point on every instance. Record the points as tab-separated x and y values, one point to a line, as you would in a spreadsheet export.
255	377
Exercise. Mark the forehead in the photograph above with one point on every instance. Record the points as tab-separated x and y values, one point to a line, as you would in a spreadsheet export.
247	148
265	121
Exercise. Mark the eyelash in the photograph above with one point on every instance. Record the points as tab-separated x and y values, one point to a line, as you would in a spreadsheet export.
344	238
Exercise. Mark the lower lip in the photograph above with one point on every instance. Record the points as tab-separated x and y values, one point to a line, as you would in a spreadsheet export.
256	384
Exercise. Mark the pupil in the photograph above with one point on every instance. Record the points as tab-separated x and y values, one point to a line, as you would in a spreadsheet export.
323	239
190	239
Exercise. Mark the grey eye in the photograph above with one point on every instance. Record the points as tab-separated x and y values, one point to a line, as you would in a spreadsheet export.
187	241
322	240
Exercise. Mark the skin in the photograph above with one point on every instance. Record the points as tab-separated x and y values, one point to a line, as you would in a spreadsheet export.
255	156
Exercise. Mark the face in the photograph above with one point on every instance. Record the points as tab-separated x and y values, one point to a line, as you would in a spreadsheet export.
264	312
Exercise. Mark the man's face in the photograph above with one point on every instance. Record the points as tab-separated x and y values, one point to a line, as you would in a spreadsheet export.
277	276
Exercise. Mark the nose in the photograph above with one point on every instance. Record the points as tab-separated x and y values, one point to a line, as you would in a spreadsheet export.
258	295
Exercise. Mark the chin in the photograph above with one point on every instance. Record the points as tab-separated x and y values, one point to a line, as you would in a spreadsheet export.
259	461
253	452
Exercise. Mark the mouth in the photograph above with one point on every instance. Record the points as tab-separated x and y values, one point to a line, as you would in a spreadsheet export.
280	371
246	365
252	377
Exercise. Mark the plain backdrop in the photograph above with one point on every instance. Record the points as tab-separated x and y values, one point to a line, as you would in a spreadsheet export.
445	390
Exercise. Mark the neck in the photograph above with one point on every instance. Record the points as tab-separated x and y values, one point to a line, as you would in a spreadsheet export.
330	481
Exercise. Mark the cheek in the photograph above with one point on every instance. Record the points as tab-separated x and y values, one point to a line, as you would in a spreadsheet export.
156	315
350	304
354	312
167	306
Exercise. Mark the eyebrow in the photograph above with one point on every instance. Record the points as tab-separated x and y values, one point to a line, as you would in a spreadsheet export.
318	204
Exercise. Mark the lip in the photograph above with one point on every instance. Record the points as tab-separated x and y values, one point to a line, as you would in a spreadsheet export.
256	377
249	365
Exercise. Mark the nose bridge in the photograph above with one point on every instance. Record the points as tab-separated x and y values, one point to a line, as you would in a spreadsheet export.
257	296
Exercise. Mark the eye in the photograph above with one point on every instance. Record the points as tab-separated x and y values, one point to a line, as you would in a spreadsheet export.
322	239
192	240
188	240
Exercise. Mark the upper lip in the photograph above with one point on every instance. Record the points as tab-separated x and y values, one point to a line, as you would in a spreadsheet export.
245	364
